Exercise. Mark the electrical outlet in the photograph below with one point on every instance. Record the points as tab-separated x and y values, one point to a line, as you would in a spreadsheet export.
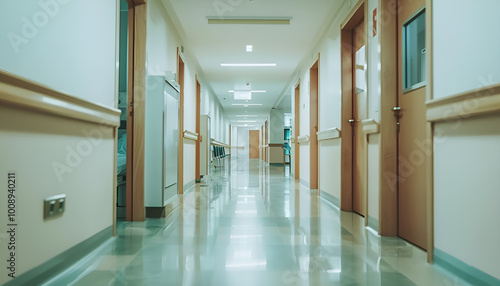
54	206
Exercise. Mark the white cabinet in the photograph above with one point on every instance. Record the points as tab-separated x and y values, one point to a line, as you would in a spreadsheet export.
161	142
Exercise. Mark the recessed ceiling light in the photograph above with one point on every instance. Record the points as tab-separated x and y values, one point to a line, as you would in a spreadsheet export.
249	48
246	104
248	65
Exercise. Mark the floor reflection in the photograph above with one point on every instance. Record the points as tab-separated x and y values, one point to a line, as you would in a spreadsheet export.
252	224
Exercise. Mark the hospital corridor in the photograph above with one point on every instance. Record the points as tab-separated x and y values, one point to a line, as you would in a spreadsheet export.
250	142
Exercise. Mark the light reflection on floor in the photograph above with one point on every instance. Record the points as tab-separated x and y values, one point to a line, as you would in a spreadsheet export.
251	224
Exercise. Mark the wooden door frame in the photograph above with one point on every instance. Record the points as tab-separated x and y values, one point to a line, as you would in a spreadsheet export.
296	128
261	142
314	125
137	13
388	203
116	104
198	128
180	157
358	12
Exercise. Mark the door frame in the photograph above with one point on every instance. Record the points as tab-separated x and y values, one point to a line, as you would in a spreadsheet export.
198	130
296	131
358	12
137	14
180	160
388	39
314	125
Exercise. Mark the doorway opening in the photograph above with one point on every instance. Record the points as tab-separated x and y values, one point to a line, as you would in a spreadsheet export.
354	110
122	166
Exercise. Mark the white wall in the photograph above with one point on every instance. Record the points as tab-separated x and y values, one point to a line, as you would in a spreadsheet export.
465	36
466	191
243	140
276	126
304	125
59	46
62	49
330	98
234	137
466	153
211	106
37	143
162	43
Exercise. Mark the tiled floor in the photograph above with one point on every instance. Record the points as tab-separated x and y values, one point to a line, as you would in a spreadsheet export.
253	225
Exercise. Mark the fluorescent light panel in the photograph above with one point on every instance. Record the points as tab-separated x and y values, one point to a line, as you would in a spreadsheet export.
249	20
249	65
247	104
253	91
242	95
249	48
248	121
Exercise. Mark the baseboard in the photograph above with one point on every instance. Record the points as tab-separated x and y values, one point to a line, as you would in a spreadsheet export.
373	223
469	273
330	199
155	212
59	263
305	183
188	186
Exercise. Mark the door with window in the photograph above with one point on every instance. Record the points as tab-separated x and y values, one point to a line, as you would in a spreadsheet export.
412	201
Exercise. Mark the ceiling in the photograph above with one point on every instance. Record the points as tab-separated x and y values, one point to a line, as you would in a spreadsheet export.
285	45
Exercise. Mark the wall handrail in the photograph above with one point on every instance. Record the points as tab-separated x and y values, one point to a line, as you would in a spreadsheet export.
370	126
218	143
303	139
191	135
331	133
25	94
465	105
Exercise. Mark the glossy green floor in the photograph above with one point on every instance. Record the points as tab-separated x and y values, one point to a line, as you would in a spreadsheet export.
251	224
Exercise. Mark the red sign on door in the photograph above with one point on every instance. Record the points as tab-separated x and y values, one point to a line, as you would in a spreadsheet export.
375	22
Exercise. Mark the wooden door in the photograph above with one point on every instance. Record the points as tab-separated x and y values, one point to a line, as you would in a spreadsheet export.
412	200
359	112
253	144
